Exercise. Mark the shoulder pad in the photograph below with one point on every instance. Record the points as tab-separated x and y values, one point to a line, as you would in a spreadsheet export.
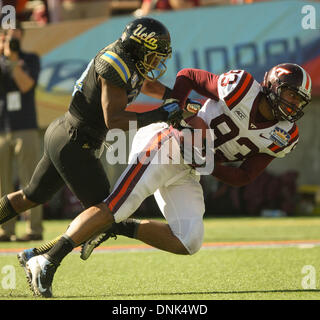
233	86
113	67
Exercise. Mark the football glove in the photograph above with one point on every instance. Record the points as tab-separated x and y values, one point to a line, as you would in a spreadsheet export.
171	106
169	112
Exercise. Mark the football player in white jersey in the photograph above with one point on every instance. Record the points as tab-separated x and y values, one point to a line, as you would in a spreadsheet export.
252	123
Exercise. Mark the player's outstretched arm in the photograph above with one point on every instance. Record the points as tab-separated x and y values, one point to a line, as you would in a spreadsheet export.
155	89
249	170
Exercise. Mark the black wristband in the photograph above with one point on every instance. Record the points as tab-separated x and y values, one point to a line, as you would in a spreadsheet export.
167	93
128	228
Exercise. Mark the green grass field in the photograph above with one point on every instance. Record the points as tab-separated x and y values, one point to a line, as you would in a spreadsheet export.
214	273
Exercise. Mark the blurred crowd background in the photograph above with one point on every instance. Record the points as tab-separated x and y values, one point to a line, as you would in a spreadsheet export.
275	193
41	12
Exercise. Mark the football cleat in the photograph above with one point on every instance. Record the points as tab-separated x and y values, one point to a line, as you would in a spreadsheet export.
41	271
88	246
23	258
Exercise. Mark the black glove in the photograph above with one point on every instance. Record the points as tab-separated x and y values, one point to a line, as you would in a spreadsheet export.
169	112
171	106
146	118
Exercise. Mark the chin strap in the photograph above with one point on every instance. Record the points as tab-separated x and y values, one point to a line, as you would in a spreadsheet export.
271	99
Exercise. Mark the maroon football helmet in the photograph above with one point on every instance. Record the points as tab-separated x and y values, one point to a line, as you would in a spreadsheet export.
292	77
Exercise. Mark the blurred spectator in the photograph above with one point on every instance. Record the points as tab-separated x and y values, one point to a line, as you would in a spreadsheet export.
40	13
240	1
54	10
34	11
225	200
19	136
268	191
246	1
149	5
81	9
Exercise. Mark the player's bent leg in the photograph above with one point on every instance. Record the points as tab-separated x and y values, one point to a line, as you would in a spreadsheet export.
124	201
13	204
143	176
89	222
7	212
191	235
167	238
127	228
154	233
20	202
151	232
88	246
185	218
159	235
45	182
183	235
25	255
42	268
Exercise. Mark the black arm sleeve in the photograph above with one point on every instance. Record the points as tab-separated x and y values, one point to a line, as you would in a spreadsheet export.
146	118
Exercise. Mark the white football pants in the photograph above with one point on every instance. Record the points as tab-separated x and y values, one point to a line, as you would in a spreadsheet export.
156	167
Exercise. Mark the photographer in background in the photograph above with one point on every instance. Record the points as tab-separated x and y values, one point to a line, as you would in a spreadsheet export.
19	136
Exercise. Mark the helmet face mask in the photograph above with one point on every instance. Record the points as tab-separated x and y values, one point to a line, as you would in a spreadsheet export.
286	109
288	91
149	42
153	66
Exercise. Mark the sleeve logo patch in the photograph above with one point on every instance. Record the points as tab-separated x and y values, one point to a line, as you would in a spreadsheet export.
280	137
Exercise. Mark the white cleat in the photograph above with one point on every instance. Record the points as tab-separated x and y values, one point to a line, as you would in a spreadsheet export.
42	271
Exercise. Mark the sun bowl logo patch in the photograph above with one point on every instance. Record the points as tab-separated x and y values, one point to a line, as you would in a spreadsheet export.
280	137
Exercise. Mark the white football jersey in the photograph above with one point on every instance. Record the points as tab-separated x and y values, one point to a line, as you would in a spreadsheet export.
238	134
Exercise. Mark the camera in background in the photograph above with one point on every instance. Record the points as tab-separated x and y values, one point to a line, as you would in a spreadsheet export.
14	45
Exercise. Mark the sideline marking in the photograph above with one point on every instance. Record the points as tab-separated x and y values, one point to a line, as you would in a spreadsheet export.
206	246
